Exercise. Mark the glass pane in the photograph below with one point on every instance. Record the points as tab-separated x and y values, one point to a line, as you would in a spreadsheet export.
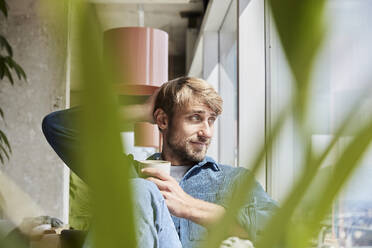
228	87
341	79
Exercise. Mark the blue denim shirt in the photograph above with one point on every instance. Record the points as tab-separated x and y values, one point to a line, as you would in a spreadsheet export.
215	183
207	180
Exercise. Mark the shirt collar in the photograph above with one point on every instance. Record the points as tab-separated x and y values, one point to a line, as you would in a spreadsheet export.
206	161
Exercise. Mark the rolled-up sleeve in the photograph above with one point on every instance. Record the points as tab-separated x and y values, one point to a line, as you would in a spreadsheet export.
258	206
256	212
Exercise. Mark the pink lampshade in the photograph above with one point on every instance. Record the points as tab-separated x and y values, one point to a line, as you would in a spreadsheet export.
141	57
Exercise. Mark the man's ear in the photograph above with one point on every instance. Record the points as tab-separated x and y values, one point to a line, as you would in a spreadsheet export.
161	119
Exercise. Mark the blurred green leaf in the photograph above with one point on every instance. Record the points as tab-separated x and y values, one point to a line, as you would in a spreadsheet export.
220	231
108	177
80	210
279	224
300	25
343	170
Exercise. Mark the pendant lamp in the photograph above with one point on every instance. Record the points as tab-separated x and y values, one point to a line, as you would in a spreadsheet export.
140	58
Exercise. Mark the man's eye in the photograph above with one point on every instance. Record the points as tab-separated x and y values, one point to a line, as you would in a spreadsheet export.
212	120
195	117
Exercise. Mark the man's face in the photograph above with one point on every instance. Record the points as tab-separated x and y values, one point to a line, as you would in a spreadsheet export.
190	132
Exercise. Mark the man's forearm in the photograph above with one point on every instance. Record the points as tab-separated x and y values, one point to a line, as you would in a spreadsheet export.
139	112
135	113
207	214
204	213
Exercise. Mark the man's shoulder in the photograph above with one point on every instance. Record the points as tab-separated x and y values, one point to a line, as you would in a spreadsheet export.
231	168
233	171
225	167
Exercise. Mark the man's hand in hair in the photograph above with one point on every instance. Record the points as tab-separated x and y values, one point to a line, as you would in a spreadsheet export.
140	112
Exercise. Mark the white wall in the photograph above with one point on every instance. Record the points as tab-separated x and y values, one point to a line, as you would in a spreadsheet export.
34	181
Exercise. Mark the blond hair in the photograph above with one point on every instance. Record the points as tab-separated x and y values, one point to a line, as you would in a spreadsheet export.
180	92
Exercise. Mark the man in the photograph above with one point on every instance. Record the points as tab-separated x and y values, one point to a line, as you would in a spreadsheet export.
196	193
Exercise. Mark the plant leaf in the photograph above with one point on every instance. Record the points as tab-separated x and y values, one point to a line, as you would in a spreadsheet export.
20	72
220	230
1	114
1	67
344	167
4	139
9	63
278	224
112	201
5	44
301	30
4	7
4	151
8	74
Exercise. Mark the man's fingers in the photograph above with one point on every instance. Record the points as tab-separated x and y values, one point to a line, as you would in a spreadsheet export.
157	173
150	103
162	185
166	194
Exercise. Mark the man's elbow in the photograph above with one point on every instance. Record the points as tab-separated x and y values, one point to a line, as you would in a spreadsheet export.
46	125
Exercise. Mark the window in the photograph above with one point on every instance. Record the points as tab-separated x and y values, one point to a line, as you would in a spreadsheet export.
340	79
228	87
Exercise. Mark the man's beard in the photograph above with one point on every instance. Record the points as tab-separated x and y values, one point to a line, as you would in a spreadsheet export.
185	151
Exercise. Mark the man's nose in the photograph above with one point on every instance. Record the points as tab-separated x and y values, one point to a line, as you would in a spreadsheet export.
206	130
